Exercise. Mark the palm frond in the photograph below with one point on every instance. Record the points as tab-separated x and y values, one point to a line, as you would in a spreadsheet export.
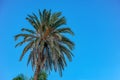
67	52
59	22
28	30
31	20
22	42
36	19
26	49
67	42
24	35
55	16
64	30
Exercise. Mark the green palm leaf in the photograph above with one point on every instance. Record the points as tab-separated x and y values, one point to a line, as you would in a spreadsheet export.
28	47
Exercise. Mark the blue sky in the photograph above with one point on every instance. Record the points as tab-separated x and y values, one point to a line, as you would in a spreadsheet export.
96	24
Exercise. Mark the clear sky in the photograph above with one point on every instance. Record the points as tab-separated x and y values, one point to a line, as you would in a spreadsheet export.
96	24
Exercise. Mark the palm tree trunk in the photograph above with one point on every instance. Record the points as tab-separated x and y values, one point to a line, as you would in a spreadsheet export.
38	67
37	71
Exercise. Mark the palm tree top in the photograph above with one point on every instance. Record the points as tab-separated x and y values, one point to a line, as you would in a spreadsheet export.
20	77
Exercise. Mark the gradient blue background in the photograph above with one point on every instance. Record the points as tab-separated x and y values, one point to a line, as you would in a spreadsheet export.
96	24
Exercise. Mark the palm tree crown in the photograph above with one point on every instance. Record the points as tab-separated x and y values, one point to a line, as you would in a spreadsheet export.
47	44
20	77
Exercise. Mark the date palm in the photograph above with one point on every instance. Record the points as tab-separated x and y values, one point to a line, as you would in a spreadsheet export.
47	44
42	76
20	77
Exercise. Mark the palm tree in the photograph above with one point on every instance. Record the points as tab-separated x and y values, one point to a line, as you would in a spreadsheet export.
47	44
20	77
42	76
